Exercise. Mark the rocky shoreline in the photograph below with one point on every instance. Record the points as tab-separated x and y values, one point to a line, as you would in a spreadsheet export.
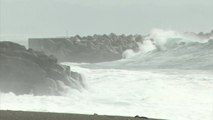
25	71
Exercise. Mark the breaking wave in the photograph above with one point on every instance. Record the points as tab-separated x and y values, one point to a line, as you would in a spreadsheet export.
168	50
143	92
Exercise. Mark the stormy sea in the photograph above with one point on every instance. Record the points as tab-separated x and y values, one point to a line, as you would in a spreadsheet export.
169	77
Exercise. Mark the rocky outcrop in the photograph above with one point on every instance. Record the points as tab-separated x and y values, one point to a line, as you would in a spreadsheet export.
24	71
96	48
201	35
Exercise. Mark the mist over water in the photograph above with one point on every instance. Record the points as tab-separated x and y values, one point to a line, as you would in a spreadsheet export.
21	39
170	77
167	50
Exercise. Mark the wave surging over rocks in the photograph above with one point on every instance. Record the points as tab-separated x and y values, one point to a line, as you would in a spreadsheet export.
25	71
167	50
177	93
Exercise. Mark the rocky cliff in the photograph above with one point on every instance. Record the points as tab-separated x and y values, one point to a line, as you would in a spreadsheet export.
24	71
96	48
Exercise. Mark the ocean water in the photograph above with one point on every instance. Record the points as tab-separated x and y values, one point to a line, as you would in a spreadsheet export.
171	77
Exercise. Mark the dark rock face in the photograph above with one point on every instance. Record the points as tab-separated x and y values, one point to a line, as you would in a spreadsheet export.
96	48
25	71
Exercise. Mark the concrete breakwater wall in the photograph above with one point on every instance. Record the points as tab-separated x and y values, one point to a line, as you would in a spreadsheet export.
91	49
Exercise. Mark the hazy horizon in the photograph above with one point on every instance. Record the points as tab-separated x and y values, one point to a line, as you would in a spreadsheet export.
165	74
40	18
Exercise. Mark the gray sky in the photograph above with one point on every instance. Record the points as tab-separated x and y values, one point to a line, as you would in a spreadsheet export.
40	18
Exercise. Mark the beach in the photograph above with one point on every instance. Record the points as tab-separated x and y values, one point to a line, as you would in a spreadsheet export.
26	115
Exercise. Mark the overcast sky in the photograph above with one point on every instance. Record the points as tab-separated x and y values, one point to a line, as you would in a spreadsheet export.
86	17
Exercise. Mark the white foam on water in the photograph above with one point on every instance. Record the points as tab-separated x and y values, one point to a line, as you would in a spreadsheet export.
177	95
170	78
166	50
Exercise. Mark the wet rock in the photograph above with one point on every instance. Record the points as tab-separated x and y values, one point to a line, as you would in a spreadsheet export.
24	71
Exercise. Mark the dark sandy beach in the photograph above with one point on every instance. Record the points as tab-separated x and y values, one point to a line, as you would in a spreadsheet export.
22	115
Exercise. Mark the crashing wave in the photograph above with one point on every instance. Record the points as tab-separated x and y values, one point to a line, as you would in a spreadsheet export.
168	50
